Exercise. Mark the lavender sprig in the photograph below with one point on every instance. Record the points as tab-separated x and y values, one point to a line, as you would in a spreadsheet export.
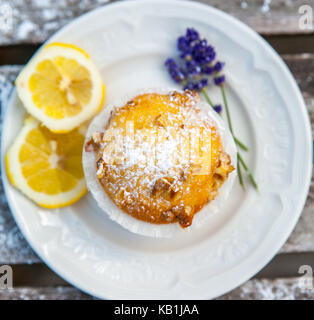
197	65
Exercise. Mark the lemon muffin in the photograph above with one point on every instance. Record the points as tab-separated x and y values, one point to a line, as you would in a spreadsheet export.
159	158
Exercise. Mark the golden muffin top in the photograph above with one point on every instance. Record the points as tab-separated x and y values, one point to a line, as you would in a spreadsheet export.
160	158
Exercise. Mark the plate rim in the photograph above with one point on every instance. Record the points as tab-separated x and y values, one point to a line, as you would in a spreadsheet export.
231	284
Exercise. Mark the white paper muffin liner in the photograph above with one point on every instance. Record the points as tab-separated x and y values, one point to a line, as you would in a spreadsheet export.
145	228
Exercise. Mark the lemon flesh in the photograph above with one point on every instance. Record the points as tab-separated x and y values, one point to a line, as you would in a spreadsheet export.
60	87
47	167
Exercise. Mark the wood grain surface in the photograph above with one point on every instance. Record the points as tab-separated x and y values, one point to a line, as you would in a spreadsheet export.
278	289
34	21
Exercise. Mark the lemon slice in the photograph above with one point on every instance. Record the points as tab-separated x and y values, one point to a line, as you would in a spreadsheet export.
47	167
61	87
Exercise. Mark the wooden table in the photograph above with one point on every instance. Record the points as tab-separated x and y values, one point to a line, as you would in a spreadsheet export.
277	20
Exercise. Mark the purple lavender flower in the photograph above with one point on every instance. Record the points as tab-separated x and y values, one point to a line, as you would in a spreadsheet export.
207	69
189	86
197	62
218	66
203	53
196	85
176	73
184	45
193	68
218	108
192	34
219	80
201	84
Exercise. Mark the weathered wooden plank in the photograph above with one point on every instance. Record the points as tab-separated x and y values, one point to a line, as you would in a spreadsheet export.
258	289
44	293
278	289
302	66
34	21
302	238
13	248
268	17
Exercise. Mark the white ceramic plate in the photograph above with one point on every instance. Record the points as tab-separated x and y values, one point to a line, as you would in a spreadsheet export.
129	42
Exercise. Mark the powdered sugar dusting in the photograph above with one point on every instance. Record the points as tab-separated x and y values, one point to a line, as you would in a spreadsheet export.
160	152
